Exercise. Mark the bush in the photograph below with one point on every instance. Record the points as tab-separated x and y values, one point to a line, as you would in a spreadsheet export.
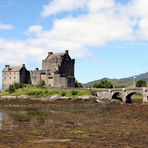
14	86
141	83
74	92
63	93
103	84
78	84
41	83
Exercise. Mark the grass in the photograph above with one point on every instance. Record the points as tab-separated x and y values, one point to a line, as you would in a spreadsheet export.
36	92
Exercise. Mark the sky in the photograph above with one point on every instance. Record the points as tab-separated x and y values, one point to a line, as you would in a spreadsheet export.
107	38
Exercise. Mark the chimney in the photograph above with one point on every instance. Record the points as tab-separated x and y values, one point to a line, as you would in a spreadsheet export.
50	53
66	51
7	66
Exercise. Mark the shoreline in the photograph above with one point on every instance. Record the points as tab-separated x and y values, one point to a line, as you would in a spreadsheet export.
50	99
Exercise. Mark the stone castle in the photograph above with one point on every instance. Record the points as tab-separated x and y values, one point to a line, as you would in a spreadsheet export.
57	71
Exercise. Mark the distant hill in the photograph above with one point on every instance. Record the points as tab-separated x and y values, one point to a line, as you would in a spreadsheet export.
124	82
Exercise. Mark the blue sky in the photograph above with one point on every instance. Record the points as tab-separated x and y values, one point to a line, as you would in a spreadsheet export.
108	38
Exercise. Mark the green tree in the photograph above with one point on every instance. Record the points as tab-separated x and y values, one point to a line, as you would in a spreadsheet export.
78	84
141	83
103	84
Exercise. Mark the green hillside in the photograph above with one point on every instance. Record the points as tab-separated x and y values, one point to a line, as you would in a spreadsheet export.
124	82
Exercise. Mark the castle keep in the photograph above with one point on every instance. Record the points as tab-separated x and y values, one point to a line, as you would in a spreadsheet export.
57	71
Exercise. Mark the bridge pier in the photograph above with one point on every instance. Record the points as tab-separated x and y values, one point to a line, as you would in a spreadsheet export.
145	95
124	94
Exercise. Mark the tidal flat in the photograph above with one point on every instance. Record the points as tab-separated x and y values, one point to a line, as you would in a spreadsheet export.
73	125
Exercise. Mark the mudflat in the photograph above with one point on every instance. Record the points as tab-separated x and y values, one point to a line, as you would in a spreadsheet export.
73	125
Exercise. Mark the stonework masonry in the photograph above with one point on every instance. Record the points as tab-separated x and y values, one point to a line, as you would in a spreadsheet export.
57	71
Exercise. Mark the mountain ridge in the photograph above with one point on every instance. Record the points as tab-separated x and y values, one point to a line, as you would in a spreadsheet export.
126	82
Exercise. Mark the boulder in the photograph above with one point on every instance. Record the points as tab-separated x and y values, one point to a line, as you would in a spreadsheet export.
8	97
53	98
23	97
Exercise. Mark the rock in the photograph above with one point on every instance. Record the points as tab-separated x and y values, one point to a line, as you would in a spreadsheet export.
65	98
99	101
8	97
23	97
53	98
116	101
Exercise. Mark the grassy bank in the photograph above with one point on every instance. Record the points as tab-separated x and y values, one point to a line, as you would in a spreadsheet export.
44	92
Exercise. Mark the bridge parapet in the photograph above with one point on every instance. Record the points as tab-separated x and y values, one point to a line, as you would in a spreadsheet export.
126	92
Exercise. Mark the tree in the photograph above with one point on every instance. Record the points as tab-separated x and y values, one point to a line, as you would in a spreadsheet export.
141	83
78	84
103	84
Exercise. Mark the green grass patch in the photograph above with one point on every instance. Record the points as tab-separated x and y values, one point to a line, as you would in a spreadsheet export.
137	97
37	92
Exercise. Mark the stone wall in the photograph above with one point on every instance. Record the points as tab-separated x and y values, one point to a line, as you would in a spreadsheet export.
35	76
10	78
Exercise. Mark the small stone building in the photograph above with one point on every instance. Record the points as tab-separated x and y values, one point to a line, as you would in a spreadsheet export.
57	71
13	74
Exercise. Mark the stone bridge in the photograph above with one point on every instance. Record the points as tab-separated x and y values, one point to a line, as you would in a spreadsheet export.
123	94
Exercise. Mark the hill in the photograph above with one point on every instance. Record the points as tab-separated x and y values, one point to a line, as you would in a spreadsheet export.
123	82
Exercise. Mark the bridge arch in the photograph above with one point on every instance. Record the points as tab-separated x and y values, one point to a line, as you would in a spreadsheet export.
117	96
129	98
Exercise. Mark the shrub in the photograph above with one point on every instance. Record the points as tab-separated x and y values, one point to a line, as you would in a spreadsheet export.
41	83
78	84
74	92
103	84
63	93
14	86
141	83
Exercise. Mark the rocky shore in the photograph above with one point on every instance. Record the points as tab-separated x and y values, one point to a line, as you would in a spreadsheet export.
49	99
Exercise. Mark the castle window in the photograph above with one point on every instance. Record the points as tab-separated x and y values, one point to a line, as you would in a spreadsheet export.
10	77
14	77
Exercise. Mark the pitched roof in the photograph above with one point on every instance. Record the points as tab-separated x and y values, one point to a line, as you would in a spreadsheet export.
56	57
13	68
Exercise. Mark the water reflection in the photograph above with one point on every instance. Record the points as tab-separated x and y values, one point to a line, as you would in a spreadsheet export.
12	119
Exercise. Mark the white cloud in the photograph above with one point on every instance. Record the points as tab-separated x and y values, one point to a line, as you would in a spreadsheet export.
93	29
69	33
56	6
95	5
143	28
35	29
102	24
5	26
138	8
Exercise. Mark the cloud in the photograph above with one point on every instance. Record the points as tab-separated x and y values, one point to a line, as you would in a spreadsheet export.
104	22
138	8
57	6
143	28
97	5
93	29
69	33
5	26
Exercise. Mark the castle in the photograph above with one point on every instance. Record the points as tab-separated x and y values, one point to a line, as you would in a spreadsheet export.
57	71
